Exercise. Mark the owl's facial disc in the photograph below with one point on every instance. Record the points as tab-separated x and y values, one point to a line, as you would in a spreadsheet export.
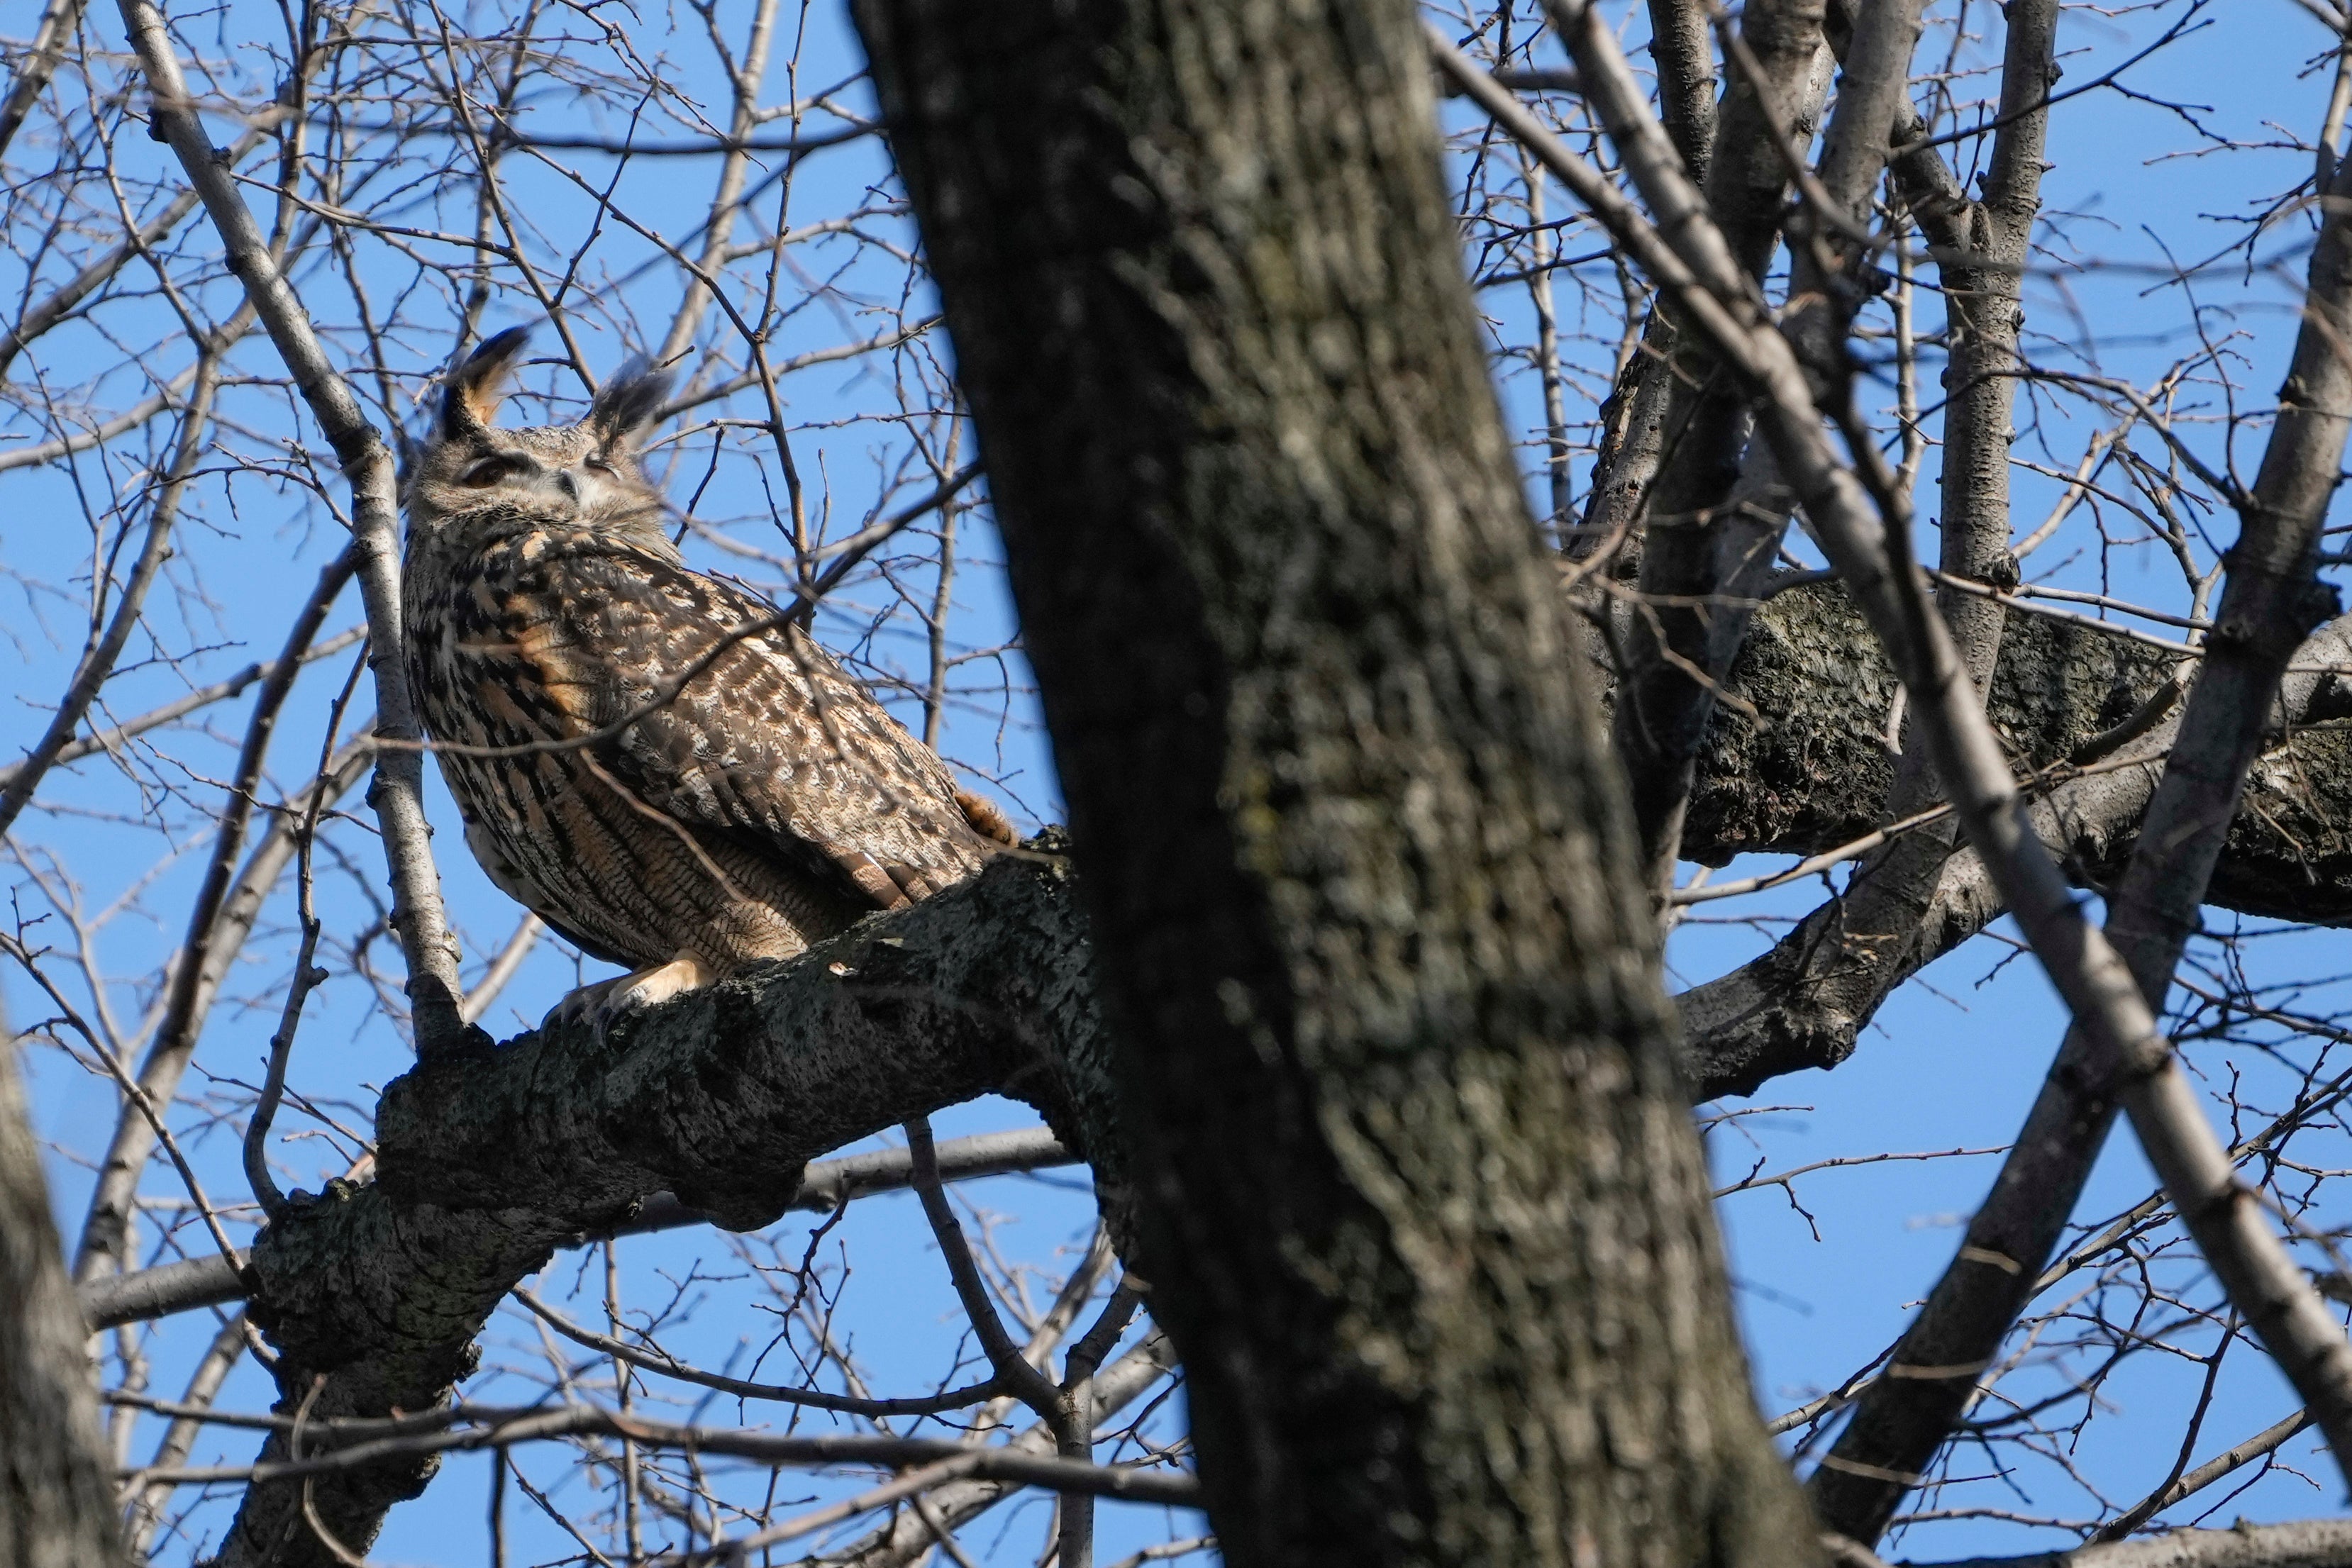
557	473
585	472
603	489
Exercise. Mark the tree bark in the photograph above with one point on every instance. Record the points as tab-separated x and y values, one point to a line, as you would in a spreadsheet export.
2270	602
1694	534
56	1505
490	1159
1788	770
1421	1205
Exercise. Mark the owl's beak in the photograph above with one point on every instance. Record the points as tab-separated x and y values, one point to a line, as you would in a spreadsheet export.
559	482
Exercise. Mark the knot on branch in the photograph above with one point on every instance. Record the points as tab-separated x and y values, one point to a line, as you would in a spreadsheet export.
2269	612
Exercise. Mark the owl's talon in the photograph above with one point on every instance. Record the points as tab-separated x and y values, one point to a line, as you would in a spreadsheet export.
581	1006
602	1005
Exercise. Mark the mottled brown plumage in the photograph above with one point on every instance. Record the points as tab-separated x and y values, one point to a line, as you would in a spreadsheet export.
654	761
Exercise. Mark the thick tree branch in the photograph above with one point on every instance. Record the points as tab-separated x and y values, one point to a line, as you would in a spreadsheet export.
2057	690
1866	536
1379	969
1789	769
490	1159
57	1508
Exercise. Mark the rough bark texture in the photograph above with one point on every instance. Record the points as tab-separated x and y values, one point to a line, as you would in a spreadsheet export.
2270	602
490	1160
1703	432
1806	770
1424	1210
56	1505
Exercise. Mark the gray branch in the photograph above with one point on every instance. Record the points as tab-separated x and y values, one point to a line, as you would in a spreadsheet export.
1788	770
2309	1543
1674	482
209	1281
398	793
58	20
492	1158
1862	522
1684	54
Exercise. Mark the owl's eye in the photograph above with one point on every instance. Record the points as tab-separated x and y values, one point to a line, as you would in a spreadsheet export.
599	463
487	472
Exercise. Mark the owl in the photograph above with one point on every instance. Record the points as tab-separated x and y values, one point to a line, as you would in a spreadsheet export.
661	765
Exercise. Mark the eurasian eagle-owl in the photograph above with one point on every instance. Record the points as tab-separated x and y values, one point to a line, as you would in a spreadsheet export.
661	765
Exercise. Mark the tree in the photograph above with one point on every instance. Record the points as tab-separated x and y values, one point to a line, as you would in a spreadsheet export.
1416	1179
1342	982
55	1507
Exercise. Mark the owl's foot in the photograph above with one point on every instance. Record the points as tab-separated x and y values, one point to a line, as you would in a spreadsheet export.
602	1004
987	818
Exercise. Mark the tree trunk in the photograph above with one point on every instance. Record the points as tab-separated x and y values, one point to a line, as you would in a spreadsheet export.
1420	1196
57	1506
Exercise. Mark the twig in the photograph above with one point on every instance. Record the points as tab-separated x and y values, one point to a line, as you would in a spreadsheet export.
812	1399
110	739
473	1428
98	659
398	793
2099	989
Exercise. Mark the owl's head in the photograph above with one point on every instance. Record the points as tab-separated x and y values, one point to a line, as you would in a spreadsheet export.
584	473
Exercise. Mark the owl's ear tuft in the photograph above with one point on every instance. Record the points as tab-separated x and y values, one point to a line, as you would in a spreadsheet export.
474	389
628	404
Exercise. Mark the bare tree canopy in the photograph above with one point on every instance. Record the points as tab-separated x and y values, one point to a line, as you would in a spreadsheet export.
1467	515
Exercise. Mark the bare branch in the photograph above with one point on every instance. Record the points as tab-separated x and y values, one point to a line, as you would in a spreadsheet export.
434	990
151	1293
99	658
2101	991
58	20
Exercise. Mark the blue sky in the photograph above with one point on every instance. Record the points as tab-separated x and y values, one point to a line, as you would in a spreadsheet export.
1950	1064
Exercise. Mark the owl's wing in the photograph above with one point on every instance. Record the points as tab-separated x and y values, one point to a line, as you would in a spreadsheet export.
768	740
